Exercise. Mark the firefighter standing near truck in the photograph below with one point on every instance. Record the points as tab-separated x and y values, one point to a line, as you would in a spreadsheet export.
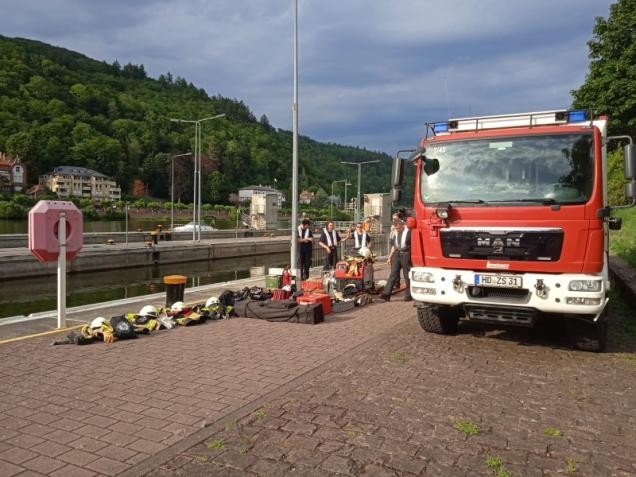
399	259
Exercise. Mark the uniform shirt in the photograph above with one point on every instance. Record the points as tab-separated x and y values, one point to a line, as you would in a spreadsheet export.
401	241
307	233
361	240
333	239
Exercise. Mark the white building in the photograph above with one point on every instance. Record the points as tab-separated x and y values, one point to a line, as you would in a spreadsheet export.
245	193
74	181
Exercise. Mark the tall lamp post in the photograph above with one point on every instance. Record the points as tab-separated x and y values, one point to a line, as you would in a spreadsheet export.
347	183
294	218
359	164
196	213
172	158
331	198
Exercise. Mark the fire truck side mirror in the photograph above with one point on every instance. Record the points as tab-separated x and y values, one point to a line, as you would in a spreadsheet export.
397	172
629	162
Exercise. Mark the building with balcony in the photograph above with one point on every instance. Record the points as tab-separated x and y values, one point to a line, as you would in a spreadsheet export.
12	174
74	181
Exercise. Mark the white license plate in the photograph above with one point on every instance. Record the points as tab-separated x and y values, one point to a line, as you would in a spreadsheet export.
497	280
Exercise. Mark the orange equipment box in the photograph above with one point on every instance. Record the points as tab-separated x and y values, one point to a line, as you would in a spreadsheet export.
311	285
325	300
343	269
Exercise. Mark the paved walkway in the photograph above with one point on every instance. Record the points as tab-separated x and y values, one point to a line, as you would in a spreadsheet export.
365	393
483	403
80	410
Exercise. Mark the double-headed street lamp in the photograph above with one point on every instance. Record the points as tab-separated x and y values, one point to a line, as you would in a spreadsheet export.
358	201
331	198
172	158
196	215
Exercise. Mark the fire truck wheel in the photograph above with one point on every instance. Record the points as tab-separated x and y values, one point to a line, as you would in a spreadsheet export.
437	319
586	335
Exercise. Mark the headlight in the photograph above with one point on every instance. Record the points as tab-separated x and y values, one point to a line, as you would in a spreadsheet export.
442	213
585	285
426	277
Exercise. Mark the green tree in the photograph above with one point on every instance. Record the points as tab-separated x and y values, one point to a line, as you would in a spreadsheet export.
610	85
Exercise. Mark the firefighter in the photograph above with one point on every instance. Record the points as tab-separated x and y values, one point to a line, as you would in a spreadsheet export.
329	240
399	259
361	238
306	240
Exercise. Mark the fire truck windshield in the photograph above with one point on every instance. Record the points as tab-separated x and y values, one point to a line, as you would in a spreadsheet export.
555	168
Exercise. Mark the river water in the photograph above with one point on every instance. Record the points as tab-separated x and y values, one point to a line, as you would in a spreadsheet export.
30	295
21	226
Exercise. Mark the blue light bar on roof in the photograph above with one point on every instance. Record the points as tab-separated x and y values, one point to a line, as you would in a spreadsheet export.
577	115
440	127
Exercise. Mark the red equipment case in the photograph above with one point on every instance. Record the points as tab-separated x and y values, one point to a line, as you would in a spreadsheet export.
325	300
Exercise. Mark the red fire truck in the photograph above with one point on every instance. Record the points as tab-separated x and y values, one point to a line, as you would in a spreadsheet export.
511	221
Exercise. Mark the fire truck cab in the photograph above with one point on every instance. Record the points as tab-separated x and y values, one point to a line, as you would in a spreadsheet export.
511	221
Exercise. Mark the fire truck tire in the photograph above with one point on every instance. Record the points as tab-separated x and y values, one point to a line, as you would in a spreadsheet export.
586	335
437	319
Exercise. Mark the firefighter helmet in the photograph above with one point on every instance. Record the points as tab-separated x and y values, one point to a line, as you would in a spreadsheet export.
212	301
149	310
177	306
98	322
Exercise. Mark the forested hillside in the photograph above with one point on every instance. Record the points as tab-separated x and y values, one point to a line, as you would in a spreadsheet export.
58	107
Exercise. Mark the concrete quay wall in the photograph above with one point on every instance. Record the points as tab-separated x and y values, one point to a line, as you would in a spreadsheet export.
21	240
21	264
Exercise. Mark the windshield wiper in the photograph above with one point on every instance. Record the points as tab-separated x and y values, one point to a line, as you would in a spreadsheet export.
465	201
540	200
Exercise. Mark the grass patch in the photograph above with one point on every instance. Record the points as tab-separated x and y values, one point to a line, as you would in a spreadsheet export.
398	357
467	427
495	463
570	466
215	444
623	241
621	331
260	414
552	431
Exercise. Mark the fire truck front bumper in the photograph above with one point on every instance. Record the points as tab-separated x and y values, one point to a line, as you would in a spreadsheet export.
558	293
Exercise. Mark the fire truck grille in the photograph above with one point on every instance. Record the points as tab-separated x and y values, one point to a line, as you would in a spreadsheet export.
501	314
510	295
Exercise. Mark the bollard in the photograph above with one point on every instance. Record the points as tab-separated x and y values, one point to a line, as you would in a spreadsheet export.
175	287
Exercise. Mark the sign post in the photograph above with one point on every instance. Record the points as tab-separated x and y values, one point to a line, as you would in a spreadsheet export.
55	234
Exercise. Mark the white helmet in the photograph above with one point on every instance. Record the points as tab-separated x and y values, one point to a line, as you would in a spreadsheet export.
149	310
98	322
211	302
177	306
365	252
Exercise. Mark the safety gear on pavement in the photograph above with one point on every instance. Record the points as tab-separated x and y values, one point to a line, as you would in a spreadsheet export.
98	322
149	310
177	307
212	301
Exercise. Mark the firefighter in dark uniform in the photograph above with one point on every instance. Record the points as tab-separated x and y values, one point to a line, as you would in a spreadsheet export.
306	240
399	260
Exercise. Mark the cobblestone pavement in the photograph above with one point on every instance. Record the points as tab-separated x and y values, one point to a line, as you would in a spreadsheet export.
101	409
483	403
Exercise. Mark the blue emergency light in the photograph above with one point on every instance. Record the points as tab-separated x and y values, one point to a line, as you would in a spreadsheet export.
440	127
577	115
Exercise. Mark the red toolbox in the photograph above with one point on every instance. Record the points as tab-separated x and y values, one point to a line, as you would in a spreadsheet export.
280	294
323	299
311	285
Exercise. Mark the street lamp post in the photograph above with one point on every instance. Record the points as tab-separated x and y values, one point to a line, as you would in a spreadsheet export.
172	187
197	170
347	183
359	164
294	218
331	198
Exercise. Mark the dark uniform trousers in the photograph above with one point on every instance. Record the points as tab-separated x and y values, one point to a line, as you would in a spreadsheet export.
401	261
305	261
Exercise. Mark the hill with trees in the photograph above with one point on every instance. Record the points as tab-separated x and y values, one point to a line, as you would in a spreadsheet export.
59	107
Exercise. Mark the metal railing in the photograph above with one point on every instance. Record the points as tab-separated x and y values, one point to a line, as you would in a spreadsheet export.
379	247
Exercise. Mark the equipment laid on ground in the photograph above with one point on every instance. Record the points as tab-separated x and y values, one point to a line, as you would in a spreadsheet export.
512	221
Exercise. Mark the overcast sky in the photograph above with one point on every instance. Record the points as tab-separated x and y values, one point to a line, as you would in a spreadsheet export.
372	72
